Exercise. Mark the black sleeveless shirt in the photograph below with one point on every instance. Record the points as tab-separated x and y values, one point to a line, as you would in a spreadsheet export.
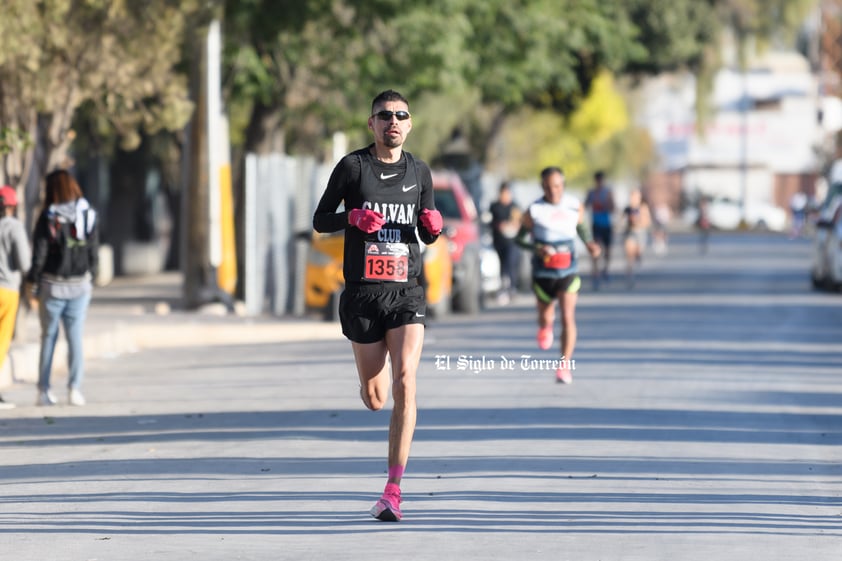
398	191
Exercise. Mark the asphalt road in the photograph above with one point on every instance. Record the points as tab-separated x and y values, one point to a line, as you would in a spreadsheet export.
704	422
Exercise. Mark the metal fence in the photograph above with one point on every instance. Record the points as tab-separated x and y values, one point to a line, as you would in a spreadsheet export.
281	195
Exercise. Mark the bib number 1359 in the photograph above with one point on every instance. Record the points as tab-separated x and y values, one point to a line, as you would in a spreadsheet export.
386	261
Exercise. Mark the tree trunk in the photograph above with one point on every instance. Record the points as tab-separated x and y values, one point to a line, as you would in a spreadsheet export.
17	152
126	203
492	139
196	265
171	158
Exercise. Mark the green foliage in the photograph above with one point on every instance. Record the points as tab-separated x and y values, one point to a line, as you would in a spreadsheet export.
328	64
435	115
13	139
123	68
301	70
674	33
546	53
602	114
585	140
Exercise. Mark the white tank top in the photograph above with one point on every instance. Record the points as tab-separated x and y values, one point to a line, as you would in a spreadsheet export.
555	223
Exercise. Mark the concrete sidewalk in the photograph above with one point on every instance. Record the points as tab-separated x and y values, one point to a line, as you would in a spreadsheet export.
134	313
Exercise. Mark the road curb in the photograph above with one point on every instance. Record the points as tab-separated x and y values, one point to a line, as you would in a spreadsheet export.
111	339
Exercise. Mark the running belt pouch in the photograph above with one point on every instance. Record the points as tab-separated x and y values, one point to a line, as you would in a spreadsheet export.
559	260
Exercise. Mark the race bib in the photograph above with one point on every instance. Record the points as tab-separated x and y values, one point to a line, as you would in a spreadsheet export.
386	261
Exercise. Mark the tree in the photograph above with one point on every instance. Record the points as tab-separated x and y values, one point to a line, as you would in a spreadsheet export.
587	139
545	54
688	34
50	71
299	70
675	35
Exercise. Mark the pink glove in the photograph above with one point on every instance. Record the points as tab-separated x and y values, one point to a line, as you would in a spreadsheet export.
431	219
366	220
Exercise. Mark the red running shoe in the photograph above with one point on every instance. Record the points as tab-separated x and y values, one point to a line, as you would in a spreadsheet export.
563	375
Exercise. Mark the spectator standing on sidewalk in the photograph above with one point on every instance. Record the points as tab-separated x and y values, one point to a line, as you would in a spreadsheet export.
15	260
64	264
505	223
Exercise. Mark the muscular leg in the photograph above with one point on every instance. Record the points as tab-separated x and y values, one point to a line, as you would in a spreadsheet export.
631	257
404	344
595	274
503	256
606	255
567	300
373	372
546	313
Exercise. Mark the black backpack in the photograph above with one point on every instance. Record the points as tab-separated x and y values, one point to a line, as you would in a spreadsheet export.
69	248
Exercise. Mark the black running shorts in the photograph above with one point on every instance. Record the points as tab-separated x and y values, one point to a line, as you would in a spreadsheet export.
367	311
548	289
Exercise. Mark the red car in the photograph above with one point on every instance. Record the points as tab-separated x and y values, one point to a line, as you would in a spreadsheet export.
462	228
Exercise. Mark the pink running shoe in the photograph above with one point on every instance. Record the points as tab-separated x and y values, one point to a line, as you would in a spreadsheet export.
545	338
388	507
563	376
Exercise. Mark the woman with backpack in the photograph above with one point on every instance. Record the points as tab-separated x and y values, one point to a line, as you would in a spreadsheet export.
64	263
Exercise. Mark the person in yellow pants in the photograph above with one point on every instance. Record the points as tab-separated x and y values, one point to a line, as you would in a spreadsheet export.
15	259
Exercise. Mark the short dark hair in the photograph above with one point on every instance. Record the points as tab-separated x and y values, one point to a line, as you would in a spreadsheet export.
599	176
388	95
61	188
548	171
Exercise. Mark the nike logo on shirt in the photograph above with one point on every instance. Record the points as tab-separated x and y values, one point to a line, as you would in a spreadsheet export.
390	176
410	188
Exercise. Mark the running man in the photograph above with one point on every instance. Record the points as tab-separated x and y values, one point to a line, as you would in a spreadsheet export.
549	230
388	196
600	200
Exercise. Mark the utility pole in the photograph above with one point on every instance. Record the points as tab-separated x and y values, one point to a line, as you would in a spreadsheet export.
203	205
744	108
195	202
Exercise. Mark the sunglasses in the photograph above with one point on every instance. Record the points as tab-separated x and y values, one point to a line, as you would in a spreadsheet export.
387	115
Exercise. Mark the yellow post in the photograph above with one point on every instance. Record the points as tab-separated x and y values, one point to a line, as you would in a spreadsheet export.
226	273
